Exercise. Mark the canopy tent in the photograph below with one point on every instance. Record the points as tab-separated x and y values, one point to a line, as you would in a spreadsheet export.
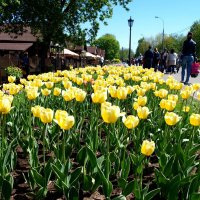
89	55
67	52
15	46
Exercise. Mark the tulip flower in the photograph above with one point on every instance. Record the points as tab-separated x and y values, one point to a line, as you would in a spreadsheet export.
80	95
46	92
32	93
68	95
56	91
110	114
131	121
5	105
65	122
173	97
36	110
171	118
122	93
186	108
170	105
147	147
99	97
143	112
162	93
49	84
185	94
195	119
46	115
162	103
142	100
11	79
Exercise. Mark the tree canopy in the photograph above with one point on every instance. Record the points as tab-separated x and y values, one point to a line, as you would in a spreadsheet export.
109	43
57	20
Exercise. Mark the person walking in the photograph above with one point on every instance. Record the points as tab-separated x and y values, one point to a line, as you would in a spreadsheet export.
188	56
156	59
148	58
171	61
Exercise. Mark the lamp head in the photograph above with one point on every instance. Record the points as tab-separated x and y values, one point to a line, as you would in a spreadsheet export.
130	22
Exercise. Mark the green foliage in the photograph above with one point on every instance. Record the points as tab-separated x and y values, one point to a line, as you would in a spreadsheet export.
14	71
116	60
195	28
109	43
56	20
124	53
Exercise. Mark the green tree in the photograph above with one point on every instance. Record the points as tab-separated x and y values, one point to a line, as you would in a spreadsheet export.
195	29
109	43
124	54
56	20
143	45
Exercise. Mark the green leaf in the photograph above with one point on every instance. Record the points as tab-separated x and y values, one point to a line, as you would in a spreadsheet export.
81	156
129	188
121	197
7	189
87	182
75	175
151	194
122	183
73	194
38	178
161	177
168	168
126	168
136	189
92	157
58	172
194	149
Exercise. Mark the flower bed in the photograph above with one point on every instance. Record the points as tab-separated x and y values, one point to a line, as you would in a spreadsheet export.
107	133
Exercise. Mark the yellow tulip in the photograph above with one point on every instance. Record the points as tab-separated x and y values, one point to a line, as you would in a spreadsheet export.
186	108
66	122
147	147
5	105
171	118
196	86
143	112
36	110
185	94
11	79
135	105
162	103
122	93
173	97
141	92
195	119
162	93
170	105
110	114
37	83
80	95
99	97
56	91
49	84
142	100
131	121
46	91
32	93
112	91
46	115
67	84
198	95
68	95
60	114
14	89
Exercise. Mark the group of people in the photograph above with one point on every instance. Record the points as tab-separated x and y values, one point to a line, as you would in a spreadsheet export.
168	62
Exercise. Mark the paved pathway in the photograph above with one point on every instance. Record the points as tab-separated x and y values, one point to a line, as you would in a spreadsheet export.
177	76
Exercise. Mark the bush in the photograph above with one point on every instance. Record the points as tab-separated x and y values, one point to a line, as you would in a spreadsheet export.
14	71
116	60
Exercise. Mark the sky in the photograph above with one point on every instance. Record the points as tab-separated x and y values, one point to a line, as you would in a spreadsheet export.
177	15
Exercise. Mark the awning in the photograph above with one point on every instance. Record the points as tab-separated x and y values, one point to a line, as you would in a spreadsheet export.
15	46
67	52
90	55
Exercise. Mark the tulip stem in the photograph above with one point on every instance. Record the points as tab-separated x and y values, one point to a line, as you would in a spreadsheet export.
107	156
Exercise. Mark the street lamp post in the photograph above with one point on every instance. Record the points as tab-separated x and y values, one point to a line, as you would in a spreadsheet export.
130	23
162	33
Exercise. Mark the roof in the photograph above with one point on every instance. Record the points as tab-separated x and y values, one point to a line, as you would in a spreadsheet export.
67	52
15	46
13	37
